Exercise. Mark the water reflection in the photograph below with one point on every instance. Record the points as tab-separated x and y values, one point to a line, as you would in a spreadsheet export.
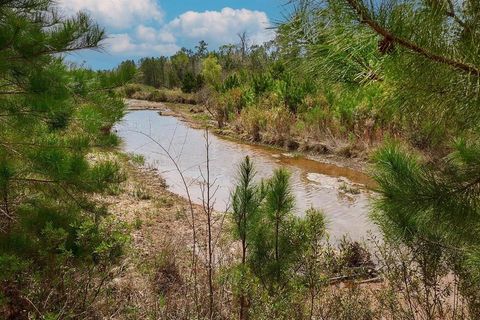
340	192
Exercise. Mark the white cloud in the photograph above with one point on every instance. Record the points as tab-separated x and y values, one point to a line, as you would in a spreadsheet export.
139	30
146	33
119	14
150	34
220	27
124	44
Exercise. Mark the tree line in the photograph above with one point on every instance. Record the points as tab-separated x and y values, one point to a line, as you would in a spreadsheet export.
402	76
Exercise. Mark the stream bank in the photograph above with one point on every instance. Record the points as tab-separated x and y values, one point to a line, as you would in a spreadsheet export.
197	117
342	193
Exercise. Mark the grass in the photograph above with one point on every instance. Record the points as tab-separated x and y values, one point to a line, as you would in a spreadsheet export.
141	193
142	92
138	223
137	159
349	189
164	202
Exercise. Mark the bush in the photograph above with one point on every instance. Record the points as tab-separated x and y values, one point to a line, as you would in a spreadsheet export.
219	107
279	125
270	100
61	261
164	95
131	89
234	98
252	121
192	83
158	96
261	84
317	119
231	82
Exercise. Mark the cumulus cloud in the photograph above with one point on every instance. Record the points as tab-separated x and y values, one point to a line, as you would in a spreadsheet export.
124	44
150	34
119	14
139	30
220	27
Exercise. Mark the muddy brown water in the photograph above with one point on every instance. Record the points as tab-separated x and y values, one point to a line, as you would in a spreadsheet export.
314	184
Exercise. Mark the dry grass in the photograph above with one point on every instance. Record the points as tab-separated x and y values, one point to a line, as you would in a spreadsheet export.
141	92
156	281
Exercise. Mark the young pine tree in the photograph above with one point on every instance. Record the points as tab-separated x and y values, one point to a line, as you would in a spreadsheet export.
246	202
277	241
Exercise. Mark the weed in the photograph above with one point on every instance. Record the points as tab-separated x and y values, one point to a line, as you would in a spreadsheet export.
141	193
138	223
344	187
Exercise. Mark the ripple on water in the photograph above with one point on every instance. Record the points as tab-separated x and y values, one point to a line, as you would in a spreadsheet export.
314	184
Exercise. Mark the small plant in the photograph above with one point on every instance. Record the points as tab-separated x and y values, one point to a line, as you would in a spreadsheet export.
344	187
137	159
167	273
114	190
253	122
138	223
164	202
131	89
141	193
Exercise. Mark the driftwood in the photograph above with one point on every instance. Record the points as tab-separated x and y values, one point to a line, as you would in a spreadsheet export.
372	275
353	277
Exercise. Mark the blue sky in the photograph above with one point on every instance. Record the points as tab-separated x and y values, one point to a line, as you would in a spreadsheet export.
138	28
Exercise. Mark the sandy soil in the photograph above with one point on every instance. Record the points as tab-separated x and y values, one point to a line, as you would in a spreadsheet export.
158	261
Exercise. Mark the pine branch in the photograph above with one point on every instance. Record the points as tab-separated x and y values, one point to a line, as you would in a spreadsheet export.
365	17
55	51
468	186
12	92
78	202
451	13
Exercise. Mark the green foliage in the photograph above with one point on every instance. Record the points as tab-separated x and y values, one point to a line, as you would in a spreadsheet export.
126	71
212	71
190	83
231	82
278	239
246	201
282	255
154	73
392	65
262	83
265	223
422	201
329	43
51	118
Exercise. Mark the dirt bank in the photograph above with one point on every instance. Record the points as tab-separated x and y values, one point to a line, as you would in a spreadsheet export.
198	117
159	260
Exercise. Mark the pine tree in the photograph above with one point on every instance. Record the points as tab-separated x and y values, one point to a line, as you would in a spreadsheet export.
424	59
278	239
51	118
246	205
246	202
279	250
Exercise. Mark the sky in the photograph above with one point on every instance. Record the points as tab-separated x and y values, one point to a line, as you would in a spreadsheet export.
140	28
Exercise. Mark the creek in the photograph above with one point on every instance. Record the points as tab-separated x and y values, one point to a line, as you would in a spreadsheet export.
342	193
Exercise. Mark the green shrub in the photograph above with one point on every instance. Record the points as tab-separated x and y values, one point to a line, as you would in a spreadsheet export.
317	119
234	98
231	82
262	83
